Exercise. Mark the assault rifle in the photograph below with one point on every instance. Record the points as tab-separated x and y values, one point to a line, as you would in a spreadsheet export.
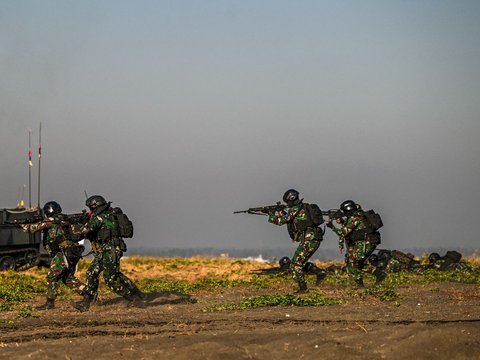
21	217
333	214
78	218
263	210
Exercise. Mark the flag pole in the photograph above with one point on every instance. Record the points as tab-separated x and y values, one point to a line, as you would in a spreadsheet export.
39	161
30	168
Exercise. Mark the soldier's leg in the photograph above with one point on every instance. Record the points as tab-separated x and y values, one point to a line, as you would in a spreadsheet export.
304	251
70	279
112	275
93	275
91	287
354	251
54	275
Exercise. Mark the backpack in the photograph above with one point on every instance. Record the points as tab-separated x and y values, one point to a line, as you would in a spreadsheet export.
315	214
124	224
373	219
453	255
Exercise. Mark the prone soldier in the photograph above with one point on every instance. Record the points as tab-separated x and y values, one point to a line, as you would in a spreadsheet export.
450	261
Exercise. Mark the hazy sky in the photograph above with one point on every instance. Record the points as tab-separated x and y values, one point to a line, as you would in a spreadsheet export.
181	112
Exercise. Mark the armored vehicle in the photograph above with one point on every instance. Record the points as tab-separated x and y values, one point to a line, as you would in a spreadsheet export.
19	249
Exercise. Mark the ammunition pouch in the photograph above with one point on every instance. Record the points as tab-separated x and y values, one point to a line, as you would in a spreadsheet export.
74	253
364	234
119	244
104	235
65	244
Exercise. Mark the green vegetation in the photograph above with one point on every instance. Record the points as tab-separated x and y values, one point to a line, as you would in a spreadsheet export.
313	298
18	287
430	276
189	275
169	285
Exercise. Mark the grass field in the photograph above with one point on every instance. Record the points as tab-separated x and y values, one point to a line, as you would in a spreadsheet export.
221	308
192	276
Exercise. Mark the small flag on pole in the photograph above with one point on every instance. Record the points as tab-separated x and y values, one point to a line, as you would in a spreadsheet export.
30	157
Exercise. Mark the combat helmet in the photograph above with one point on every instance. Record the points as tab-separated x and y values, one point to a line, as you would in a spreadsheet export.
284	262
52	208
373	259
291	197
97	204
434	257
348	207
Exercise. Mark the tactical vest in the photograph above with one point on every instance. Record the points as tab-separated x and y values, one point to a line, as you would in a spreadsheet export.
366	230
313	219
122	226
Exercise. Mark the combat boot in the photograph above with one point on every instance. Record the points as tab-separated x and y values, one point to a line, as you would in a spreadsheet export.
302	288
359	283
50	304
380	275
136	298
84	304
139	294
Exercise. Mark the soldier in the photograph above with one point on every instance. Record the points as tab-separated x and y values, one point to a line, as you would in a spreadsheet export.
451	261
360	237
107	247
64	252
301	226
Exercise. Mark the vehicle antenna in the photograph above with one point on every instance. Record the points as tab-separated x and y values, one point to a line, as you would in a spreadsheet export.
30	164
39	161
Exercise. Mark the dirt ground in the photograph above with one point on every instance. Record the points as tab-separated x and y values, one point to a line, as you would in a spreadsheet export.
437	321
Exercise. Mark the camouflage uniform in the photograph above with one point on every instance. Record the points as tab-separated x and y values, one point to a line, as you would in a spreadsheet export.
65	255
360	244
445	264
309	240
107	248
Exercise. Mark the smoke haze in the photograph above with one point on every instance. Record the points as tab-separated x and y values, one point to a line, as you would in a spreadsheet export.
182	112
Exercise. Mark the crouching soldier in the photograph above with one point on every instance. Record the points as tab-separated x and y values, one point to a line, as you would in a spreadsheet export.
64	252
302	221
359	232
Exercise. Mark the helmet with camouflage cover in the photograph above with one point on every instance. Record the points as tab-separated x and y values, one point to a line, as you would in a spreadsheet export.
97	204
52	208
291	197
349	207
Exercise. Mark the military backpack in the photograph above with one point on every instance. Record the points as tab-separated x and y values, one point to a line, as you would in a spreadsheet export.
124	224
315	214
374	220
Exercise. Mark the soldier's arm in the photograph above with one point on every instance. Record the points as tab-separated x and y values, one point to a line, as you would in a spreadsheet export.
32	228
282	216
93	224
351	224
341	243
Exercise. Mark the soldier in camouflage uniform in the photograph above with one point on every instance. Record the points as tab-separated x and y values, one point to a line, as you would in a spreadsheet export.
451	261
301	230
357	235
107	248
64	252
